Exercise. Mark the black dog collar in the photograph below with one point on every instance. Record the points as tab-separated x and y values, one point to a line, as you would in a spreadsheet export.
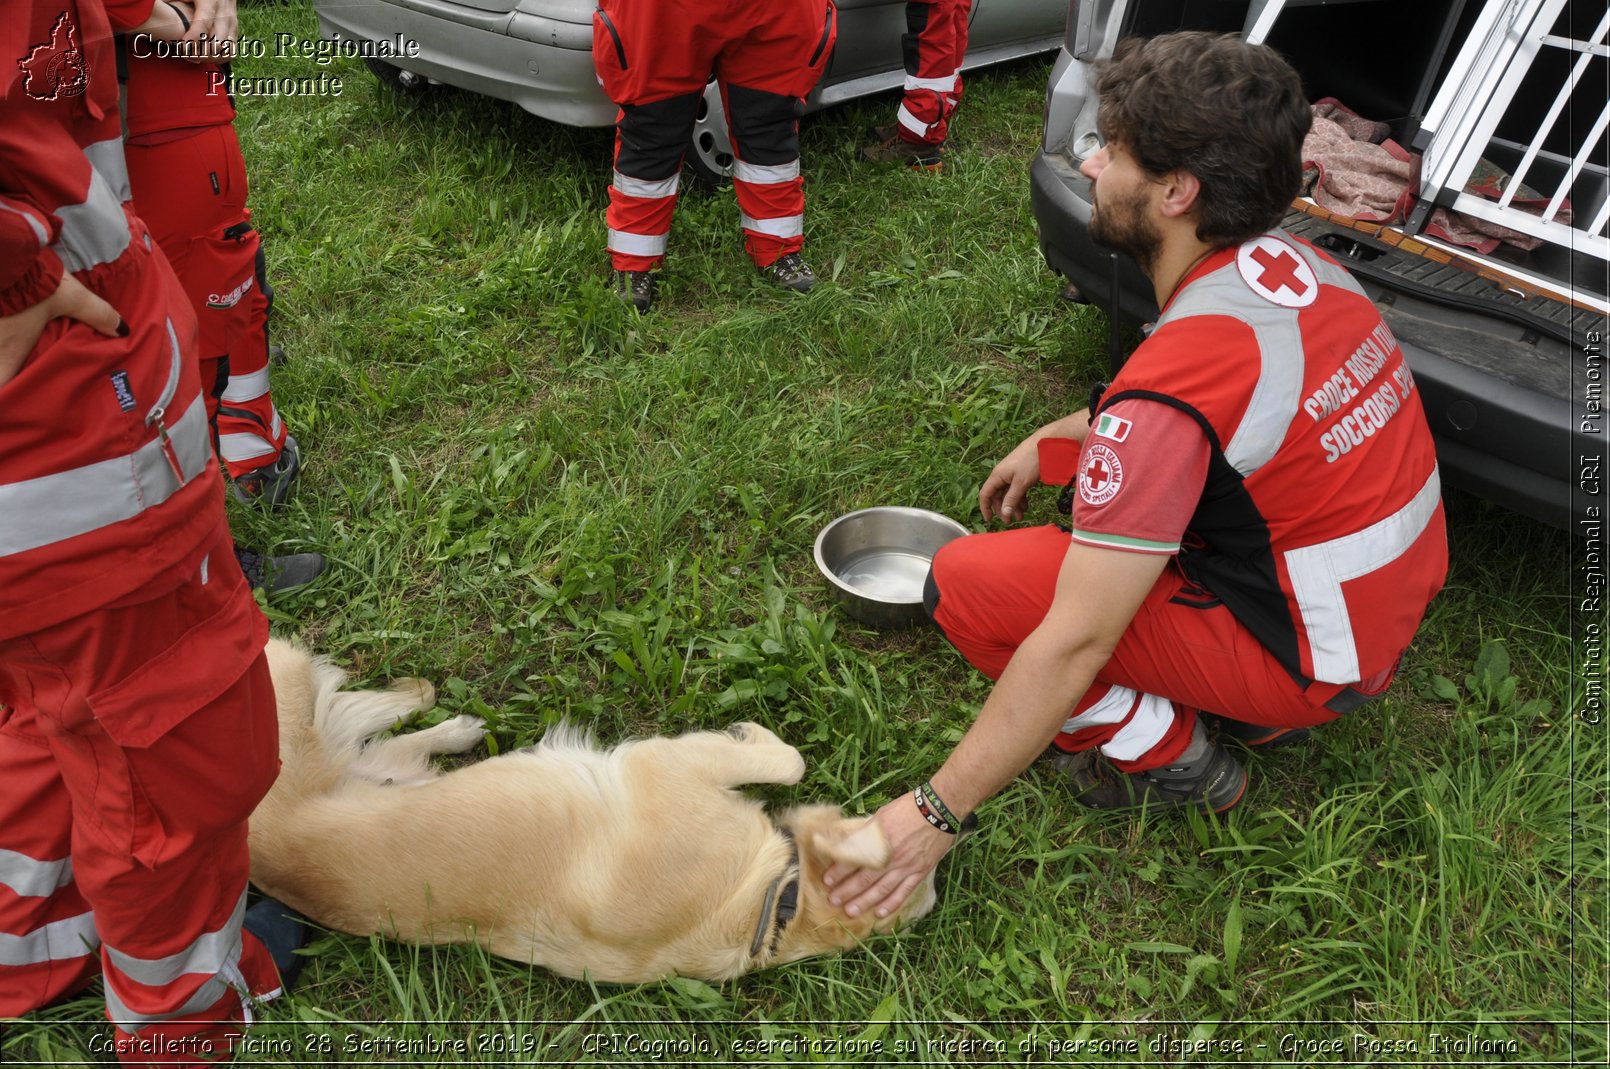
781	902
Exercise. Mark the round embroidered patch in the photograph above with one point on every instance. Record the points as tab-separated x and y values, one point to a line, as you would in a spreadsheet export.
1101	474
1276	273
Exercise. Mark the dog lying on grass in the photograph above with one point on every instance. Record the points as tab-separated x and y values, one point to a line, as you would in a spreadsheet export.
625	865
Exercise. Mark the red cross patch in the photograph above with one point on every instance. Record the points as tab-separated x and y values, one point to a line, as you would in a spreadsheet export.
1275	272
1101	474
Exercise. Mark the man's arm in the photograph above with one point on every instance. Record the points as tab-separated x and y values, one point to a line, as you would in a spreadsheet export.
1098	592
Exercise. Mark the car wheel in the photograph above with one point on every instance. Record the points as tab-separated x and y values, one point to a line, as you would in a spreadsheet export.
709	156
395	77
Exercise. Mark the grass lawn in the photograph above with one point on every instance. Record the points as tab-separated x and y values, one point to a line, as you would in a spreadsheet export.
554	508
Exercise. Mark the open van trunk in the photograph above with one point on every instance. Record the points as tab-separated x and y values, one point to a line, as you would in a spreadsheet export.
1497	339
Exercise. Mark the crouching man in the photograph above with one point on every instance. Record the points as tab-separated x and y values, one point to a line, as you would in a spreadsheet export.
1257	523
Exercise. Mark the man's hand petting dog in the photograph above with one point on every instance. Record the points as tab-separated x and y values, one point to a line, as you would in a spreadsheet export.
915	850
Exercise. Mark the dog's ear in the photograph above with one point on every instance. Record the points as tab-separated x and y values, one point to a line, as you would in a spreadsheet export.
855	841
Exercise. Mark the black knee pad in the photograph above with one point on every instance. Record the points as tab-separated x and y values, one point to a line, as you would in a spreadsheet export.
910	41
654	136
765	125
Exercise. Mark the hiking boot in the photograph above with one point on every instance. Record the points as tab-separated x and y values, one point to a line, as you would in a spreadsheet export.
278	574
885	145
271	484
1204	776
283	932
1257	736
791	272
636	288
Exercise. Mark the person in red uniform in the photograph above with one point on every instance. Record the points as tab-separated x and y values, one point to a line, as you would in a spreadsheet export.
654	58
934	45
1257	524
189	185
137	723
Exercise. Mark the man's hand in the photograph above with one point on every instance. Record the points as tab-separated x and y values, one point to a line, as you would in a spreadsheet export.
214	29
20	333
167	22
915	847
1006	491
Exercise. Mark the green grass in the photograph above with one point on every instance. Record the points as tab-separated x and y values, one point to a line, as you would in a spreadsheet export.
555	509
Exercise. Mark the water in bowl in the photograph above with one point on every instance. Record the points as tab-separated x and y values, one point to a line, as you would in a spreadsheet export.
887	573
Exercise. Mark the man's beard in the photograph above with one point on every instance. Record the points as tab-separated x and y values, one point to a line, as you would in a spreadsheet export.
1120	223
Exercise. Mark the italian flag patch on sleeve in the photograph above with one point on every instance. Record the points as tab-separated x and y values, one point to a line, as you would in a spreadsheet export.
1111	426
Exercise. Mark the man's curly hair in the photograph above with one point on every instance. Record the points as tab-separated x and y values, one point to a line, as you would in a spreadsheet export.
1230	113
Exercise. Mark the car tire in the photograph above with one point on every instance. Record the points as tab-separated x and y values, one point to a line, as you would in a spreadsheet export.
395	77
709	154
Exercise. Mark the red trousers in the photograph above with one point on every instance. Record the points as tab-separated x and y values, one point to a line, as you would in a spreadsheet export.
934	45
191	192
654	60
1182	653
134	743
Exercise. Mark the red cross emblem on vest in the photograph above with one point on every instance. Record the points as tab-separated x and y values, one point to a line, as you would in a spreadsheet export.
1274	271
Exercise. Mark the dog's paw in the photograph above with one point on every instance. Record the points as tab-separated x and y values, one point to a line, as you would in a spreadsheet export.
458	734
752	733
419	692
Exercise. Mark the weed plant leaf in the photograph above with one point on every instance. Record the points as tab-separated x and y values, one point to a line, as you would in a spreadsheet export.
878	1020
1232	937
1444	688
698	995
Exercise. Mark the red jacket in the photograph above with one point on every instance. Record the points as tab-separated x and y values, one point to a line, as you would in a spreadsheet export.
106	469
1321	525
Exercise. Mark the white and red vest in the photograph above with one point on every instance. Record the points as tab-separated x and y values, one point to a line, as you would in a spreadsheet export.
1320	526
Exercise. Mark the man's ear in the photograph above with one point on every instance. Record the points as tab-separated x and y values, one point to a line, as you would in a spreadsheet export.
1180	190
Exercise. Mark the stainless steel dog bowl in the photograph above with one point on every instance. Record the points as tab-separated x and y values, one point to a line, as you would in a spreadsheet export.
875	561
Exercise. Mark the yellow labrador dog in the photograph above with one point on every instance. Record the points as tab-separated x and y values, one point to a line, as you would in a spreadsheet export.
625	865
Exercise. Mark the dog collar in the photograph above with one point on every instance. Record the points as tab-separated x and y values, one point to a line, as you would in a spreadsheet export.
781	903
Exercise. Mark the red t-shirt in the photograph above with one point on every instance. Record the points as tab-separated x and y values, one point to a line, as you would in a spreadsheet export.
1141	472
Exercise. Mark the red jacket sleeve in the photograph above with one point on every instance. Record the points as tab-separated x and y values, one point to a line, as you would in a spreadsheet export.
29	270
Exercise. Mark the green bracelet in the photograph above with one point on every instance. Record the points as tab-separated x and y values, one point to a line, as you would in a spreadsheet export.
936	812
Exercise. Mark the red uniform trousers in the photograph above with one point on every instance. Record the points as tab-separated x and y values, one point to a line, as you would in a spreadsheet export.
933	47
191	192
654	58
1182	653
134	742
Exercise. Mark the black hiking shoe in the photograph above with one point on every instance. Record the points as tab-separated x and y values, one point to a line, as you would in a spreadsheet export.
636	288
278	574
791	272
1205	776
885	145
283	932
271	484
1257	736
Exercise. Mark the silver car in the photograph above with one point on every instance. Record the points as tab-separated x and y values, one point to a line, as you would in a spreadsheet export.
538	53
